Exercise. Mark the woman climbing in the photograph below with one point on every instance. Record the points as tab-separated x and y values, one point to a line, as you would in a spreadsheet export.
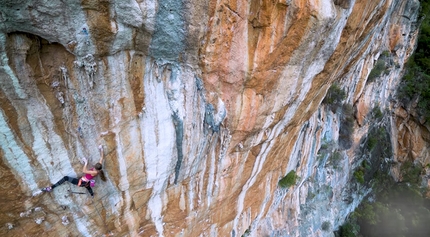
84	181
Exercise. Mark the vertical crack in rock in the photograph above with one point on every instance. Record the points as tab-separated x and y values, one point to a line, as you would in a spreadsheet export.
172	77
168	39
135	72
179	131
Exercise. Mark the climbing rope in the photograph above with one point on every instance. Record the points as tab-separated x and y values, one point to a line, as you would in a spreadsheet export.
95	207
97	210
75	192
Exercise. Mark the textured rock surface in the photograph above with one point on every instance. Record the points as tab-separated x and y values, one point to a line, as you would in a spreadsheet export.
202	106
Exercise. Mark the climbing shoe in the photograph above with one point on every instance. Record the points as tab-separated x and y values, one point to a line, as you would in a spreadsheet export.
47	189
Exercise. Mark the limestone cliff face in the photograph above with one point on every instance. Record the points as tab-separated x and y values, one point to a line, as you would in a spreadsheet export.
201	106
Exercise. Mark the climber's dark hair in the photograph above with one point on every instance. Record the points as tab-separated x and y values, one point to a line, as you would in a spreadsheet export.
98	167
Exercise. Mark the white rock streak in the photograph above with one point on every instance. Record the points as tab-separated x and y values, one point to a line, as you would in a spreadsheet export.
4	63
15	156
159	143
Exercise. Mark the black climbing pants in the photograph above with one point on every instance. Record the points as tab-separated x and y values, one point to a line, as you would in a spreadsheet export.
74	181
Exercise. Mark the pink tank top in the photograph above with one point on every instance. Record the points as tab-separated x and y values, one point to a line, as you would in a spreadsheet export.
88	177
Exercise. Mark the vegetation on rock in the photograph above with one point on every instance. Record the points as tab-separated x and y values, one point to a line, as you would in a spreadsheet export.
325	226
334	97
346	128
397	208
394	209
289	180
379	68
415	85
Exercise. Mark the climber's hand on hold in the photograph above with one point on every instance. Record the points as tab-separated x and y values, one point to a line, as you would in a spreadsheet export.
101	148
84	160
102	154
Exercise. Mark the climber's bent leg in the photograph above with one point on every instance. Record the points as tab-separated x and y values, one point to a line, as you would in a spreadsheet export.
90	190
64	179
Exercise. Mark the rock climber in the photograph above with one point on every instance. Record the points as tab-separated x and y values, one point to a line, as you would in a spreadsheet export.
86	180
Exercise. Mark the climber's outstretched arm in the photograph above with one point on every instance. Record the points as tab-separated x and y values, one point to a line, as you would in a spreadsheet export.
87	171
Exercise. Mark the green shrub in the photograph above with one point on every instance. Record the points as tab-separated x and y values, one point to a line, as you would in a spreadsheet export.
410	172
311	195
386	54
349	230
335	158
416	81
365	164
346	128
289	180
324	146
398	208
368	212
377	136
325	226
359	175
422	52
246	233
377	70
416	85
376	112
334	97
360	172
371	142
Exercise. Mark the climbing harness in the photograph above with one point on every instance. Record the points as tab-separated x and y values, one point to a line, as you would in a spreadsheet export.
82	183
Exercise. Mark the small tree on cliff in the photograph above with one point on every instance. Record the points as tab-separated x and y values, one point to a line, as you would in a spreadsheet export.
289	180
334	97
